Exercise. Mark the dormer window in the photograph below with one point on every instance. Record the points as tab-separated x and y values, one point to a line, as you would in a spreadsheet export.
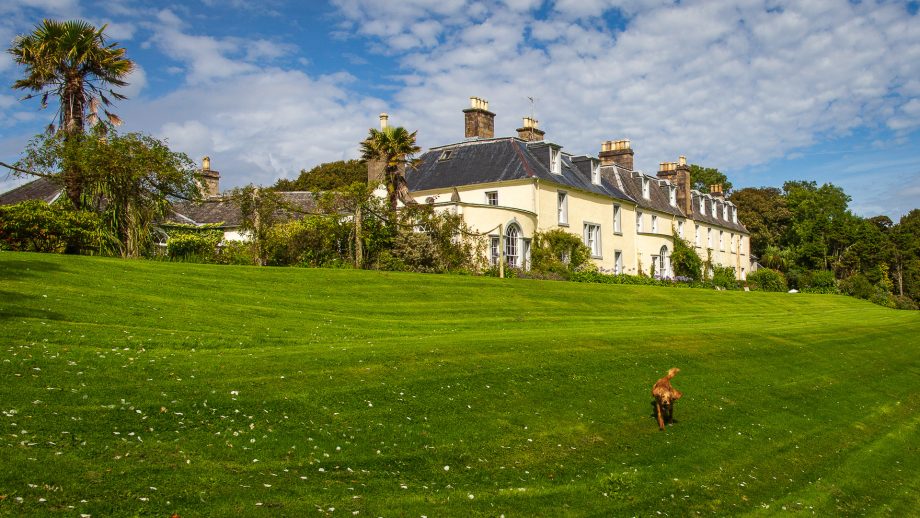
672	196
595	173
446	154
555	161
702	206
725	212
645	188
735	215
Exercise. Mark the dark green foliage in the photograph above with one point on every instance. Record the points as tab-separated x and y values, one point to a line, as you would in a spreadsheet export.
311	241
558	252
234	252
430	241
763	211
685	261
326	177
724	277
766	279
193	244
35	226
702	177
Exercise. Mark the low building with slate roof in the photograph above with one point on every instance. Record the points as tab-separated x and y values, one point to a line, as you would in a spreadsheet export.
510	188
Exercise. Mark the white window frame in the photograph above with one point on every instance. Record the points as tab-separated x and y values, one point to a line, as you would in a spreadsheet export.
702	206
617	219
494	250
562	199
725	211
721	240
708	237
618	261
672	195
491	196
696	236
646	189
639	218
555	160
654	223
595	173
592	239
735	215
740	245
680	229
512	245
731	242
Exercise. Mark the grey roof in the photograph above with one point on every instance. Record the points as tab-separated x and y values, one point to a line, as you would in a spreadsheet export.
226	212
44	189
501	159
714	202
631	182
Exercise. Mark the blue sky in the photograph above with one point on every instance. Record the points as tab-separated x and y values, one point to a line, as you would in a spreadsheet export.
767	91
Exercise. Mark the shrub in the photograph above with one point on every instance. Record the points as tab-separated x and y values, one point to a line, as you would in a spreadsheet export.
312	241
766	279
35	226
558	252
685	261
724	277
235	252
903	302
431	241
193	246
857	286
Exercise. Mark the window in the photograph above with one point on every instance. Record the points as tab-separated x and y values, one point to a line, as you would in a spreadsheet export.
512	246
595	173
493	250
593	239
563	208
735	215
618	262
445	155
638	221
709	237
680	229
696	236
741	245
721	241
731	242
555	160
725	212
702	206
654	223
492	197
525	262
645	188
617	220
672	195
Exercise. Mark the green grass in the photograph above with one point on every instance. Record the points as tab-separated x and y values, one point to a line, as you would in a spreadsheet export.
148	388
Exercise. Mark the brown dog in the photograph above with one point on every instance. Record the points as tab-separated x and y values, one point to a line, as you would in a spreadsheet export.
665	395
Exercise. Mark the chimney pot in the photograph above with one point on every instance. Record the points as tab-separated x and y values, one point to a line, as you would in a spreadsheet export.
384	121
479	122
682	160
206	163
617	152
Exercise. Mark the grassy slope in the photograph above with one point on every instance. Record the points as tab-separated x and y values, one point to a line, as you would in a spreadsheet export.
279	392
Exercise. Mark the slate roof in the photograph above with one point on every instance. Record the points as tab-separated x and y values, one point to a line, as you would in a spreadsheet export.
226	212
43	189
500	159
717	203
631	181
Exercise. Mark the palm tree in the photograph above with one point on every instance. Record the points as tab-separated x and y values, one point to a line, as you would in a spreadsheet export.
71	61
394	148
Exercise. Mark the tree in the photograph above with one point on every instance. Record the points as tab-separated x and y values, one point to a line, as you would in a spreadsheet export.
763	211
71	61
684	259
822	226
326	177
702	177
394	148
129	180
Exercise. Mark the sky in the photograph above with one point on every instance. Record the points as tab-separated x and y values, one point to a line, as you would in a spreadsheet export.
765	91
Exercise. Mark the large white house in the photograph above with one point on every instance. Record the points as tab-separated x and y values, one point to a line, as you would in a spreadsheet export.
513	187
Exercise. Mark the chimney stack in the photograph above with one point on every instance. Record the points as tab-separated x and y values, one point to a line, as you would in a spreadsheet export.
678	173
616	152
208	180
530	131
479	121
384	121
716	190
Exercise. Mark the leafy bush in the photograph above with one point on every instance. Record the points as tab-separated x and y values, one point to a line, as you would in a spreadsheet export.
35	226
724	277
903	302
685	261
193	245
312	241
857	286
235	252
558	252
766	279
437	242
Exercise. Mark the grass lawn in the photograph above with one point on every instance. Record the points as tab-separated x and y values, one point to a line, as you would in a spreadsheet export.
147	388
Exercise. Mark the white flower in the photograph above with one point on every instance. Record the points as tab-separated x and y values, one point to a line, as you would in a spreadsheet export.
446	468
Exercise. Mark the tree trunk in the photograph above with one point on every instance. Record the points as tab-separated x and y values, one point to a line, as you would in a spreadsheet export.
257	227
359	245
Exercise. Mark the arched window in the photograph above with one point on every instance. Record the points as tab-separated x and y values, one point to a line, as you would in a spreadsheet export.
513	246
